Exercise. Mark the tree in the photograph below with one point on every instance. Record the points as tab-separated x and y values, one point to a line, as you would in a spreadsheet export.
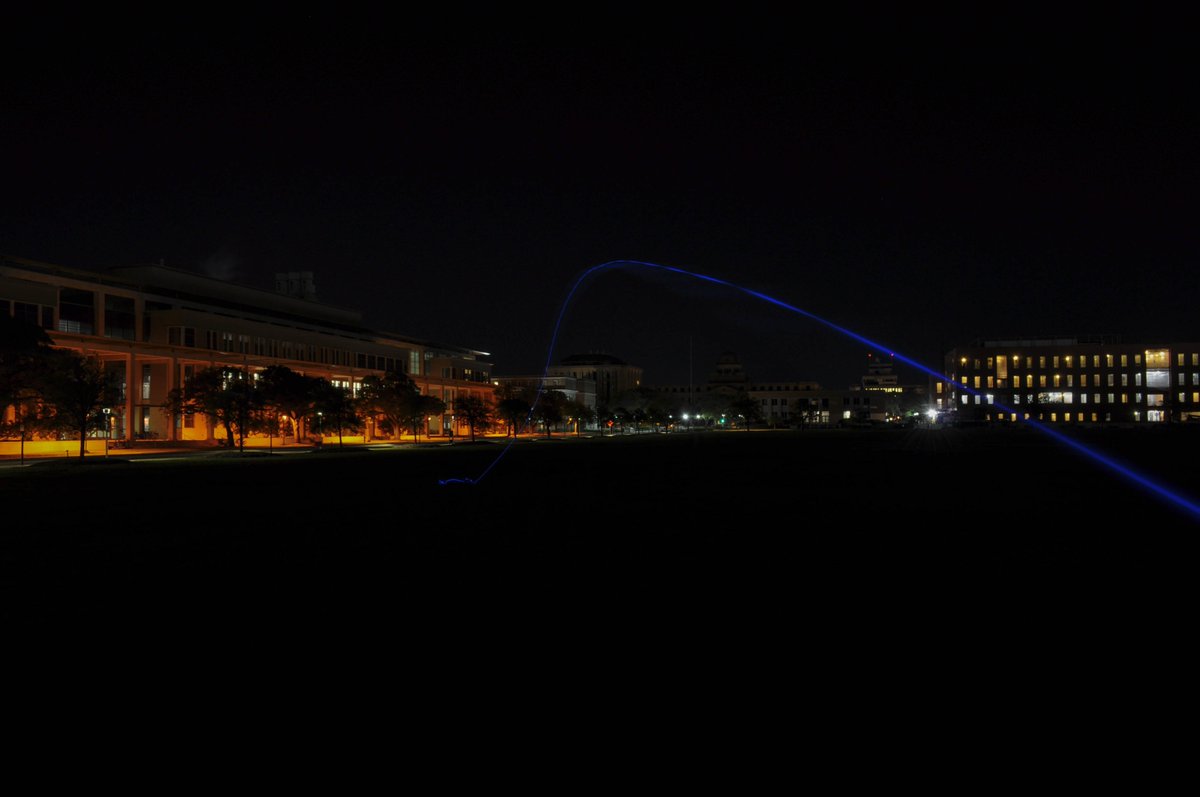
474	410
748	408
24	353
548	409
397	398
513	406
339	406
227	396
73	389
581	412
286	393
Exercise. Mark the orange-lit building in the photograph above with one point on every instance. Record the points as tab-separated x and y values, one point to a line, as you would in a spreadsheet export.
154	326
1076	380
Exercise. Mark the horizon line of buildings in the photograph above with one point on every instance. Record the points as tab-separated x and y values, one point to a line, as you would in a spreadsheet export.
154	326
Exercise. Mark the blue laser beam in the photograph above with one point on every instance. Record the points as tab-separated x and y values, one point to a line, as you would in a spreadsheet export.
1121	470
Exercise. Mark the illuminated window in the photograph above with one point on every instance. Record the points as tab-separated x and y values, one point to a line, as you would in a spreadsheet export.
1028	362
1158	377
1096	398
1041	380
1108	361
1096	379
1017	381
1137	359
1179	360
1137	398
1195	378
1181	379
1070	380
1083	380
990	398
1016	398
1157	358
1028	380
1068	397
1083	398
976	398
1137	416
1124	380
1154	400
1054	417
1095	360
1124	398
991	362
1110	380
1124	360
1182	398
1108	416
991	381
1056	361
1112	398
1057	380
1137	379
939	387
965	398
1042	361
1093	417
1068	361
1195	359
975	362
1156	416
1196	398
977	383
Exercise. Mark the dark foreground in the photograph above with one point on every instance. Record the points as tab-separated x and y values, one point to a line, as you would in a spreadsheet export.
776	531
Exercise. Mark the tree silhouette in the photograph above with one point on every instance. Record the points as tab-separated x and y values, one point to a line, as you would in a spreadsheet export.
474	410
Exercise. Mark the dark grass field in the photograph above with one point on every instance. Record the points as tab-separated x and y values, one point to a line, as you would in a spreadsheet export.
763	530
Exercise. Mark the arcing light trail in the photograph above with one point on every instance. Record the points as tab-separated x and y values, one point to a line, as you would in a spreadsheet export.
1142	481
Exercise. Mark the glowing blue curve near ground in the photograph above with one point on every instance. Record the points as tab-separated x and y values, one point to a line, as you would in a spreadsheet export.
1123	471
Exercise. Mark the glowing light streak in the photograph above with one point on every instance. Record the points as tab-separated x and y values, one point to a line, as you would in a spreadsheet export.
1125	472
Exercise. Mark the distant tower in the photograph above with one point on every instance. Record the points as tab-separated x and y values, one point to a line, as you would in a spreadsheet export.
296	283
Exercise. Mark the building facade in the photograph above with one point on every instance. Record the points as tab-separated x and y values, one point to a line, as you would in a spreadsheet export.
1070	380
156	326
610	376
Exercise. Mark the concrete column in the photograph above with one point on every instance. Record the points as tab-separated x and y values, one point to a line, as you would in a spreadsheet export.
173	367
131	378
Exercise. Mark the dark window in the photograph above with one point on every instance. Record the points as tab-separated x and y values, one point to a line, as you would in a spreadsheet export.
76	311
120	321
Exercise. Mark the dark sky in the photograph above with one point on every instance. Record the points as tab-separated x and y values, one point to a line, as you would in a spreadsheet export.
923	181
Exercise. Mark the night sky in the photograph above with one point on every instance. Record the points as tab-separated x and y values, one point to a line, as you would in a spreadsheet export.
923	181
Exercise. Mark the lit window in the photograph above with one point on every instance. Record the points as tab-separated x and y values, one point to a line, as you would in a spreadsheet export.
1068	398
975	362
1068	361
1137	359
1042	361
1016	381
990	398
1028	362
1095	360
1016	398
991	382
1137	379
976	398
1083	380
1196	398
1070	380
991	362
1181	379
1054	417
1041	380
1124	360
1057	380
1108	361
1124	398
1137	398
977	383
1124	380
1195	378
1083	398
1110	380
1179	360
1182	398
965	398
1096	398
1112	398
1157	358
1195	359
1094	417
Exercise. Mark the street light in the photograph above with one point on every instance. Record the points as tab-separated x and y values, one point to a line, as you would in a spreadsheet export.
107	428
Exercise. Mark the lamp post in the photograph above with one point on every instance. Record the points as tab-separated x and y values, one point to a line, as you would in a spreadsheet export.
107	428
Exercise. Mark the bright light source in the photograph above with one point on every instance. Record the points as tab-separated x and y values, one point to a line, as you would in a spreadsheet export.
932	415
686	416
